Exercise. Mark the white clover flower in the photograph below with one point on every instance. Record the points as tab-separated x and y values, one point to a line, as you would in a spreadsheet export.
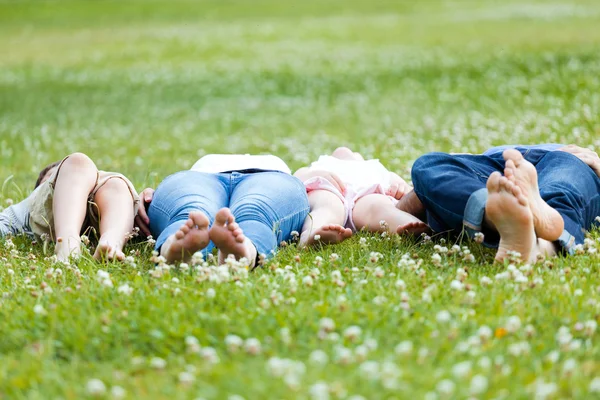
543	390
352	333
479	384
370	370
210	355
513	324
484	332
484	363
436	259
553	356
157	363
39	309
457	285
578	292
595	383
461	369
211	293
233	343
446	387
443	316
96	388
518	349
569	366
307	281
318	357
379	272
485	281
327	325
253	346
589	327
125	289
117	392
343	355
403	348
400	284
319	391
186	378
10	271
361	352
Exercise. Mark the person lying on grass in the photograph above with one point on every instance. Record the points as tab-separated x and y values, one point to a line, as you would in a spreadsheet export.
532	200
348	193
72	197
243	205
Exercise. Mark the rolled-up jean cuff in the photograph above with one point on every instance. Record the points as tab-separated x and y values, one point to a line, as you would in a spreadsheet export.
567	242
475	211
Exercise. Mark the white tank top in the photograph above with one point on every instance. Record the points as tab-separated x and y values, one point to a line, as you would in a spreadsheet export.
216	163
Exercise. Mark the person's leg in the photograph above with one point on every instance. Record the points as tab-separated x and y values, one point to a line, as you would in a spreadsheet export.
509	210
116	211
268	206
376	213
452	189
572	188
74	182
183	207
325	223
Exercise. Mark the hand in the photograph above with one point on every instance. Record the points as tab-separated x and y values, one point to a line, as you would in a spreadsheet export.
141	220
398	187
586	155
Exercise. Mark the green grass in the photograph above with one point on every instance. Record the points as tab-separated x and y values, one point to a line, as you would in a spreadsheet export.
147	87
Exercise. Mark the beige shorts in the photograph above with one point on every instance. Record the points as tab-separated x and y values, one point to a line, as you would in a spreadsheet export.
41	217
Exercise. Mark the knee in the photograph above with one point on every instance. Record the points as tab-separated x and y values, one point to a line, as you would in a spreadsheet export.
115	185
426	169
80	161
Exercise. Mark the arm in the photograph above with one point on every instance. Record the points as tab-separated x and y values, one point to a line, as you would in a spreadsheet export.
307	173
586	155
398	187
142	220
13	220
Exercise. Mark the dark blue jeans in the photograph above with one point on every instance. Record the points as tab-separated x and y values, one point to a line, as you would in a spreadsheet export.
267	205
453	191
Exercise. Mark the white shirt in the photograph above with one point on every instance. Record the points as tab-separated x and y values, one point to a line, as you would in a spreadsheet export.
15	219
217	163
358	174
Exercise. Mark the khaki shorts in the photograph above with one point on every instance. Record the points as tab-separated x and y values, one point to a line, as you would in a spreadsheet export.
41	217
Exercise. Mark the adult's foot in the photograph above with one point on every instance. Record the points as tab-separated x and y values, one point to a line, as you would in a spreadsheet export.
229	238
326	234
67	248
110	247
411	204
189	239
548	223
413	228
508	209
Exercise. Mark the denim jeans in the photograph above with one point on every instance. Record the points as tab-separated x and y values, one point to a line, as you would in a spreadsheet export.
453	191
267	205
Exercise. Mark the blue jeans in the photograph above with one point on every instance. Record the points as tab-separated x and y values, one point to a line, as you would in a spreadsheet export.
267	205
453	190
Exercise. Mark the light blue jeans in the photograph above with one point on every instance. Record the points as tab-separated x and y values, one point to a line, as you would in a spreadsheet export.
267	205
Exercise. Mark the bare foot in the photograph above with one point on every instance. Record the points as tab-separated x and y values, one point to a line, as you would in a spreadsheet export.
508	209
229	238
110	247
326	234
411	204
190	238
67	248
548	223
413	228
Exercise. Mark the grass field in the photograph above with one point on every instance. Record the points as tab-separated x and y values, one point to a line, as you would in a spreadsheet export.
147	87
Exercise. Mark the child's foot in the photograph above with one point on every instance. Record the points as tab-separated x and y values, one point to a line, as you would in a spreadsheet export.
326	234
67	248
508	209
547	221
229	238
110	247
413	228
191	237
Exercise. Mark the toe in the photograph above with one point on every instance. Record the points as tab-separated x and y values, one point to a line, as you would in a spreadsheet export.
185	229
222	216
233	226
179	234
512	154
494	182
